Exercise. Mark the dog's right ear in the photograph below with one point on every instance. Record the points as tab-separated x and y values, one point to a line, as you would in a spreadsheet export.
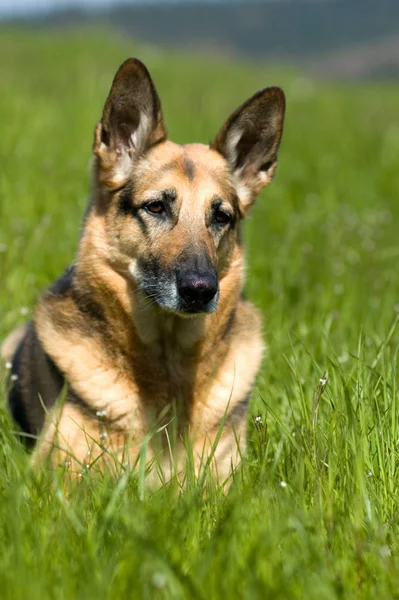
132	123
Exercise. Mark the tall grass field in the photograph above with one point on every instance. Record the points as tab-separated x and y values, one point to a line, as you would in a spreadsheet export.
314	511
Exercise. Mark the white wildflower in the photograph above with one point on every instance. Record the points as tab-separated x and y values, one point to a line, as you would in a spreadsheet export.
343	358
339	289
385	552
158	580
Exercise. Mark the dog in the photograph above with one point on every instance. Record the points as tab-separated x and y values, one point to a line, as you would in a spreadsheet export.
148	327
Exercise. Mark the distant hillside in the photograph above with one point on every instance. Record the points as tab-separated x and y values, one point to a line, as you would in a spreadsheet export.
281	29
321	33
375	59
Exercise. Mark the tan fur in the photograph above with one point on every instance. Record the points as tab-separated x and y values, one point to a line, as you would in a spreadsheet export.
147	367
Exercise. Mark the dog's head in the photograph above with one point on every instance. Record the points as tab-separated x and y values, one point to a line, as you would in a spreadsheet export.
172	213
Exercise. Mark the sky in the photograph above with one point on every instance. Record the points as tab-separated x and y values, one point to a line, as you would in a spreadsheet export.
17	7
10	7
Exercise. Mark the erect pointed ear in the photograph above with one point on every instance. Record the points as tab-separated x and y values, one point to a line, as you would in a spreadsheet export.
249	141
131	123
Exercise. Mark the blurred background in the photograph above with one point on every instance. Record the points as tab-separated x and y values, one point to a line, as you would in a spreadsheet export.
354	39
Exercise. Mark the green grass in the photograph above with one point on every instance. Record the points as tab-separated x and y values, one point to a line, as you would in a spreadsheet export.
314	511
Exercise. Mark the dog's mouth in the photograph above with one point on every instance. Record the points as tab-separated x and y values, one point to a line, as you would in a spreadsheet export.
197	307
170	300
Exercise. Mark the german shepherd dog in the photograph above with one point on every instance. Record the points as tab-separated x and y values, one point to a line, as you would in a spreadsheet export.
148	326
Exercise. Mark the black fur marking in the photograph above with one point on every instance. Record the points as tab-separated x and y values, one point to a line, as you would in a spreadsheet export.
229	324
87	305
62	286
15	403
66	286
36	383
189	168
125	204
239	412
84	407
195	258
267	165
236	205
105	136
127	208
169	195
92	412
152	269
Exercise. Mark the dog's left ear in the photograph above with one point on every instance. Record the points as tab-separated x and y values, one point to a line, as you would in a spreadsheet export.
249	141
131	123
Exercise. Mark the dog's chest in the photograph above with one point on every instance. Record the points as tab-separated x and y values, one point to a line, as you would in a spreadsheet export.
131	382
167	376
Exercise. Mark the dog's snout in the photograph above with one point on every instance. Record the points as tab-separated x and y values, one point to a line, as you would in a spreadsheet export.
197	289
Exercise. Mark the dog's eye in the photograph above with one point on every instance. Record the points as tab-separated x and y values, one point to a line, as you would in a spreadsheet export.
221	217
155	208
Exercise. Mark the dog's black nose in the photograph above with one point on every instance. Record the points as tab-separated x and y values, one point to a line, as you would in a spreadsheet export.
197	288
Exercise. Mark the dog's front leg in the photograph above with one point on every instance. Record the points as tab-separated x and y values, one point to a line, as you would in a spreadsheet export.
79	443
221	451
